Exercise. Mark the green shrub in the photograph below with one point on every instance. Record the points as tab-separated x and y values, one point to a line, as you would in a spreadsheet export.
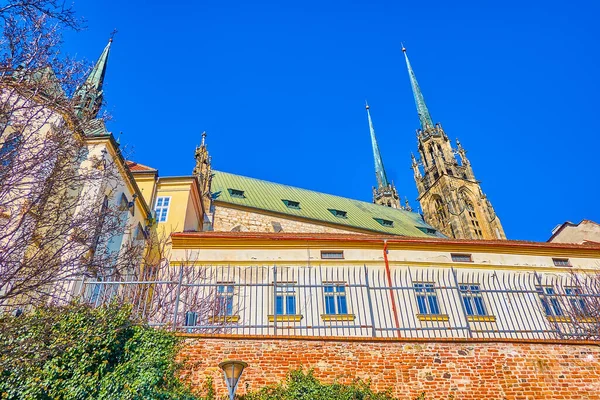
304	386
79	352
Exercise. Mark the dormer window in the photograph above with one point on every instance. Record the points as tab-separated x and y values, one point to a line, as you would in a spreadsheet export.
338	213
429	231
292	204
236	193
384	222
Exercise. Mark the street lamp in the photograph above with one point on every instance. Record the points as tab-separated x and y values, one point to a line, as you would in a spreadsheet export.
233	371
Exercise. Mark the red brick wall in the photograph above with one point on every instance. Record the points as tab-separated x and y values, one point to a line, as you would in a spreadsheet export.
443	370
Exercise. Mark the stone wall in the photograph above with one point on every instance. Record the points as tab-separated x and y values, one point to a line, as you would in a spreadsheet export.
227	218
442	370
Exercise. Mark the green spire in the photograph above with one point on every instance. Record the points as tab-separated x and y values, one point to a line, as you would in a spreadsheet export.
379	170
89	95
424	116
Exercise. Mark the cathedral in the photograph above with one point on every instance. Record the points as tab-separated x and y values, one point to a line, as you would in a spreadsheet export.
452	202
277	275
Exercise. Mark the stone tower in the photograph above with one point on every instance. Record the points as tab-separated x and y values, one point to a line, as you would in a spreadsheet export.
384	193
203	173
450	196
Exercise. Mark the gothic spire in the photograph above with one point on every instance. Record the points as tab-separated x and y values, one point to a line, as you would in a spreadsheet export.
89	95
424	115
379	170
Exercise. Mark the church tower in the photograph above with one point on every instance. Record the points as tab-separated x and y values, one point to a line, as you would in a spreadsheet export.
89	96
450	196
203	173
385	193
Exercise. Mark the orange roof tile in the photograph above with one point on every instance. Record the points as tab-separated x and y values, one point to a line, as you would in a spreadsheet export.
135	167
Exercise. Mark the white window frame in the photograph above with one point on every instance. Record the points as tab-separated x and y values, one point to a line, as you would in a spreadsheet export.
156	206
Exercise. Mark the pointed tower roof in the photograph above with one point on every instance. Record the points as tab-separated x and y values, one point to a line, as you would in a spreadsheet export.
95	79
379	170
90	92
424	115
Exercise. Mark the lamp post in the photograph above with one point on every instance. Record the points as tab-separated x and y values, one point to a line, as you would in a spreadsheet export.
232	371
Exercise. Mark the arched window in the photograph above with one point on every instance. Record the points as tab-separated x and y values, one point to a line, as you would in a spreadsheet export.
440	210
441	152
472	215
9	149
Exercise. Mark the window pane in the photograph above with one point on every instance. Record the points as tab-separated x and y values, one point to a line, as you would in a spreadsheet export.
159	202
279	305
342	306
468	305
341	289
291	305
166	201
229	306
547	310
479	305
328	289
556	307
329	305
433	305
422	302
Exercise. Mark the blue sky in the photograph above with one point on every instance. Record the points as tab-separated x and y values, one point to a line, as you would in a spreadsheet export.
280	89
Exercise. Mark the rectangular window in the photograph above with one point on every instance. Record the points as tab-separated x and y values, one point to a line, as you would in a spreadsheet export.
472	299
224	306
236	193
561	262
285	299
332	254
292	204
549	301
577	301
461	257
190	318
162	208
384	222
338	213
335	298
427	298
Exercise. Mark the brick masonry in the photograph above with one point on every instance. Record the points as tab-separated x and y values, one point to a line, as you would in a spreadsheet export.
227	218
443	370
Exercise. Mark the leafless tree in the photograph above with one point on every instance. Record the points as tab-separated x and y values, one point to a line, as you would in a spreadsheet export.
571	304
58	220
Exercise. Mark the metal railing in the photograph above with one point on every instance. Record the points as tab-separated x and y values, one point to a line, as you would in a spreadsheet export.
428	302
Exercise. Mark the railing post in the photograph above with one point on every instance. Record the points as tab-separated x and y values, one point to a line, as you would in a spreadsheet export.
177	295
275	300
81	288
462	304
373	331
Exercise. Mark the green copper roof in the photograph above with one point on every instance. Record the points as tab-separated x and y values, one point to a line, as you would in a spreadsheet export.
90	92
321	207
424	115
379	170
